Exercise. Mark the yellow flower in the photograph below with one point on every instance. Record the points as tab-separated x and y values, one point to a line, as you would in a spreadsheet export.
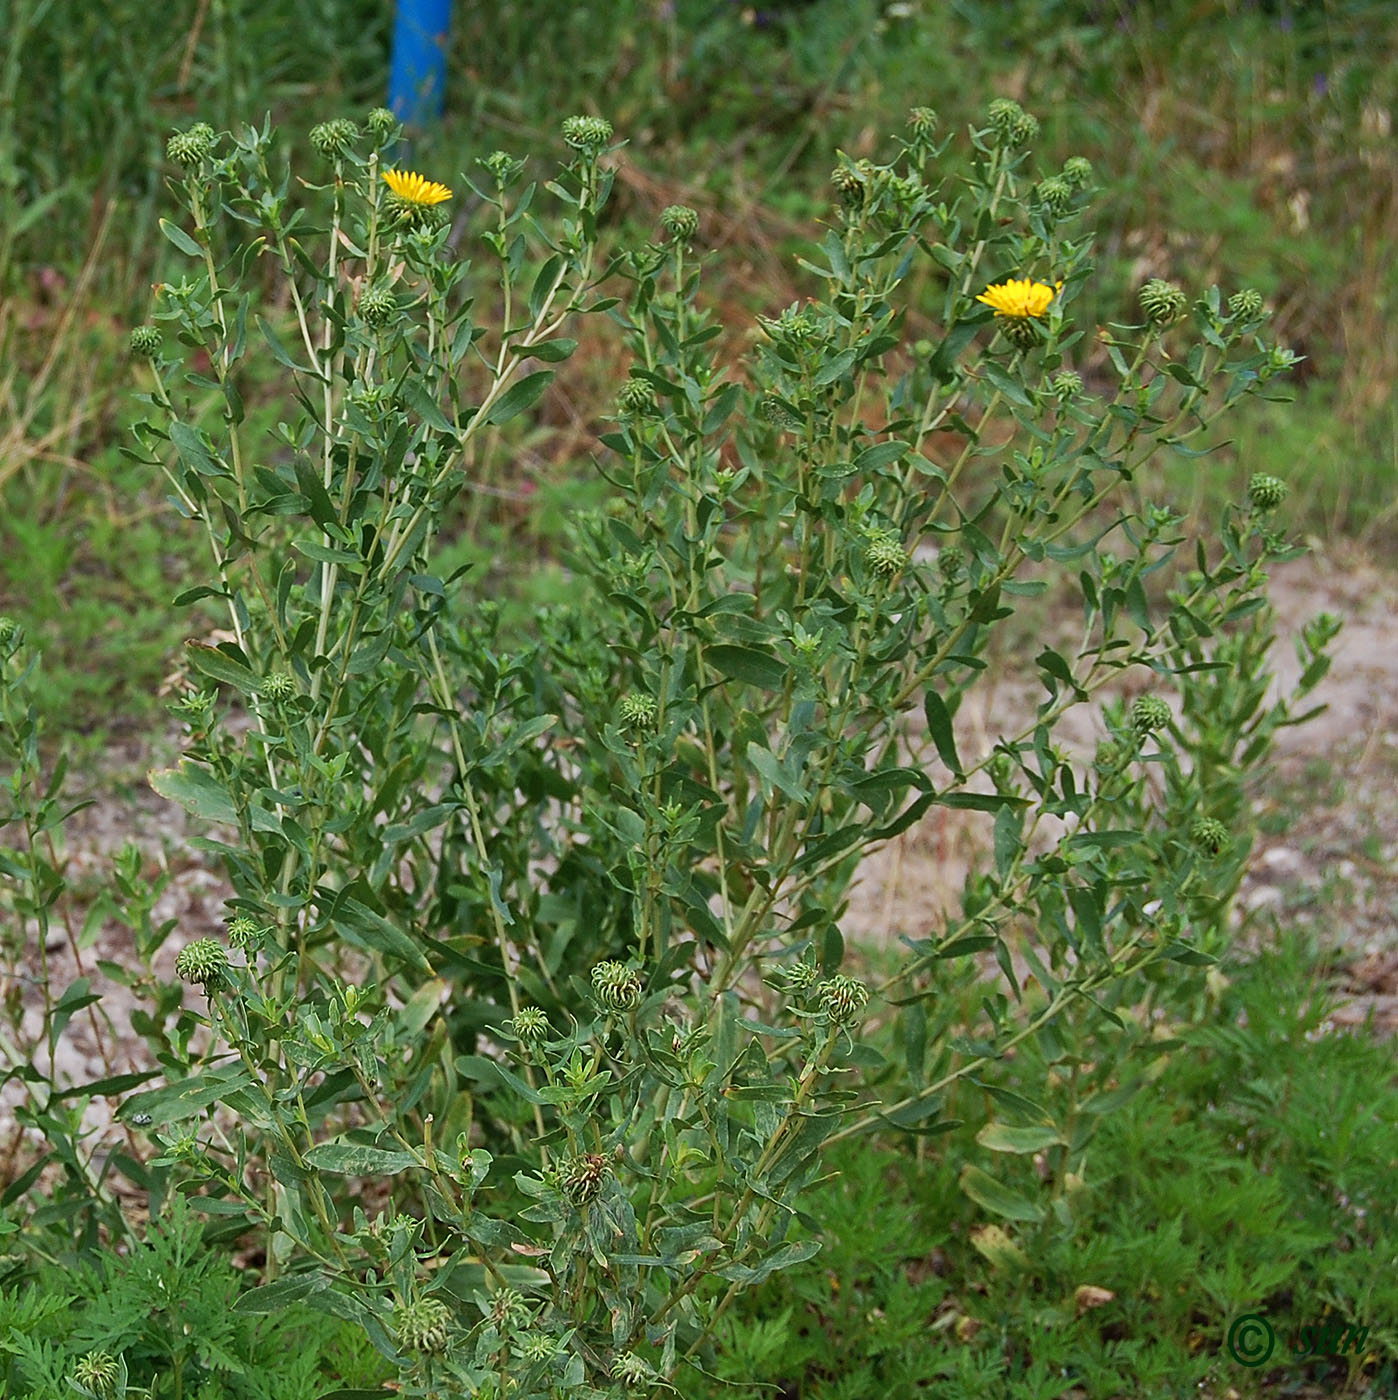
1020	299
415	189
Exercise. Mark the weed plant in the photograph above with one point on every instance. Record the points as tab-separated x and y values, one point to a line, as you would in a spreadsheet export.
539	940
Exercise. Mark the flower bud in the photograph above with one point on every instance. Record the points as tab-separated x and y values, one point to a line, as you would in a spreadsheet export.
680	222
246	934
334	138
1055	193
423	1325
631	1369
636	397
189	148
277	687
841	998
1149	712
381	123
1003	116
377	304
922	122
1162	301
637	712
8	629
582	1178
617	986
1245	305
510	1311
1266	492
885	555
848	184
98	1372
530	1025
800	977
503	166
1077	170
587	134
1210	835
1066	384
144	340
951	562
203	961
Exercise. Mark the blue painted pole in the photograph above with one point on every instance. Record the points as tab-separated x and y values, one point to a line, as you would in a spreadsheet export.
417	75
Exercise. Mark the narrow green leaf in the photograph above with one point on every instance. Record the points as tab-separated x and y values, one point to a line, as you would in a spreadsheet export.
1001	1137
520	396
354	1159
997	1198
759	668
180	239
220	666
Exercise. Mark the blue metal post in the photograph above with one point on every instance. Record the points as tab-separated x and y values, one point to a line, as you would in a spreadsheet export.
417	76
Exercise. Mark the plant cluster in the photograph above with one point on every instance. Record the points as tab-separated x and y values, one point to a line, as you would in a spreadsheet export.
538	938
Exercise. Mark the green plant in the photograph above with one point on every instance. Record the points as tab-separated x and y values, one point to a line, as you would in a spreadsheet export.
582	1002
162	1322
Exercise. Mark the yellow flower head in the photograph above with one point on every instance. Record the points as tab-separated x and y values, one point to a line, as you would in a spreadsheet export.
1020	298
415	189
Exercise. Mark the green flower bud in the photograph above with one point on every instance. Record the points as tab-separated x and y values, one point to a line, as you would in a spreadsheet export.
1003	116
1267	492
98	1372
377	304
680	222
530	1025
1054	193
1077	170
1245	305
636	397
582	1178
246	934
631	1369
8	628
800	977
144	340
587	134
510	1311
423	1325
617	986
1025	130
1210	835
841	998
504	167
922	122
1149	712
381	123
848	184
951	562
1162	301
1279	359
537	1347
203	961
189	148
637	712
334	138
277	687
1066	384
885	555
